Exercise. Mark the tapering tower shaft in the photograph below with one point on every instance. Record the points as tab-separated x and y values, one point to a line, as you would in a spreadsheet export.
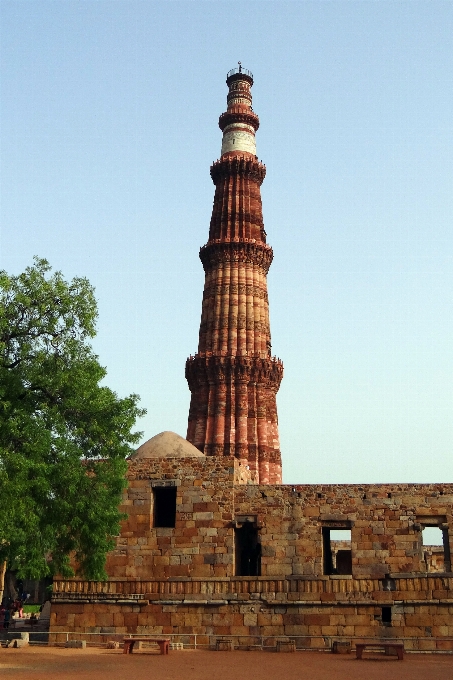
233	378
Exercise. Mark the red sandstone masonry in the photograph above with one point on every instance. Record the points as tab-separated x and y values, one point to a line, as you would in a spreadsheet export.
204	496
182	580
385	520
385	523
233	379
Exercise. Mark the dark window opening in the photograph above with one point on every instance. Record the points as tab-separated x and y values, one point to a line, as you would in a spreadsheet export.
248	550
337	553
164	506
387	615
388	583
435	548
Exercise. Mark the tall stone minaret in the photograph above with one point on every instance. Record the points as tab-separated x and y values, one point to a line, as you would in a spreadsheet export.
233	378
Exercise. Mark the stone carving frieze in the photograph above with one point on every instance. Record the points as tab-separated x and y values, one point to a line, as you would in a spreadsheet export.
214	370
259	254
234	289
238	166
239	115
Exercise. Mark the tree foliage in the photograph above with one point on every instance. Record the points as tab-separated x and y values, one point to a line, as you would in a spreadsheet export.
64	437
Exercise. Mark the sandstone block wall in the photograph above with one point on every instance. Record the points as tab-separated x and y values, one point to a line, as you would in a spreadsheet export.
201	543
182	579
386	523
259	610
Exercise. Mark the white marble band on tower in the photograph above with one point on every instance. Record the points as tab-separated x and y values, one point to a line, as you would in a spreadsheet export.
239	122
239	137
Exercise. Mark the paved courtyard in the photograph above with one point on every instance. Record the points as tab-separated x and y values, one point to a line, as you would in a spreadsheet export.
52	663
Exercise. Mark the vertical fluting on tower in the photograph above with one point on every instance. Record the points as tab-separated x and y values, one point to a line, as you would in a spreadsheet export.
233	378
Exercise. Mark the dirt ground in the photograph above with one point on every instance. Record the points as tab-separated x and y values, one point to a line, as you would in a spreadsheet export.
52	663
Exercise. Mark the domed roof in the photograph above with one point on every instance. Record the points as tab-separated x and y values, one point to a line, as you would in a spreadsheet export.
166	445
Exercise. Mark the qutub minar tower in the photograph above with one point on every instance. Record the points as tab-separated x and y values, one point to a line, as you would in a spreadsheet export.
233	378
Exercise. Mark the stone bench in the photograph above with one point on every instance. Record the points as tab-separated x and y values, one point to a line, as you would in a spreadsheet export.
286	646
386	646
223	644
164	643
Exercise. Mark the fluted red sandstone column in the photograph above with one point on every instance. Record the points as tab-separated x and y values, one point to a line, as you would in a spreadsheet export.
233	378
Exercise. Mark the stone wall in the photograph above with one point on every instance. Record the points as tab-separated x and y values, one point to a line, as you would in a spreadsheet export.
201	543
182	579
386	522
314	611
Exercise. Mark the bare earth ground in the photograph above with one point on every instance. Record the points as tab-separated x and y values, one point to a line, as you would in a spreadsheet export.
52	663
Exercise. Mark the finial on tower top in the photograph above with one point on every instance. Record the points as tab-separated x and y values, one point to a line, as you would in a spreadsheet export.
243	72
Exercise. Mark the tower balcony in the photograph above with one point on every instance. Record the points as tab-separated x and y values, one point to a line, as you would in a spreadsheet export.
239	73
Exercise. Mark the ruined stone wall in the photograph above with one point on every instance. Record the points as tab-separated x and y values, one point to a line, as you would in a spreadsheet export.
386	521
200	544
183	581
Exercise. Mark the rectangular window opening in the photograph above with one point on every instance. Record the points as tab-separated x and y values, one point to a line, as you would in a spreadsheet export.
164	506
435	548
247	550
387	615
337	550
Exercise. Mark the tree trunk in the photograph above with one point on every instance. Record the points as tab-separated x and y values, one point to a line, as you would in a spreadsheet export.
2	578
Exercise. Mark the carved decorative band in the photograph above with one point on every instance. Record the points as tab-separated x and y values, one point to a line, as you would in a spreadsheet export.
232	116
258	327
235	289
238	165
213	370
213	254
246	452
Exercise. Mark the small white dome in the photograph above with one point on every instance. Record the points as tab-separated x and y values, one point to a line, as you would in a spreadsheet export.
167	445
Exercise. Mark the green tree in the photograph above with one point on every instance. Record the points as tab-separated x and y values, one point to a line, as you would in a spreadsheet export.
64	437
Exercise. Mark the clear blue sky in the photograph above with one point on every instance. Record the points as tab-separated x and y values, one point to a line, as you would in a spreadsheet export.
109	116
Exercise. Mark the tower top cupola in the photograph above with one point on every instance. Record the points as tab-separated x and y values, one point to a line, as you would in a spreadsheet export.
239	123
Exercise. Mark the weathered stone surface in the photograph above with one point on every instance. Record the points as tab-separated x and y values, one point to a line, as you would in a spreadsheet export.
185	582
166	444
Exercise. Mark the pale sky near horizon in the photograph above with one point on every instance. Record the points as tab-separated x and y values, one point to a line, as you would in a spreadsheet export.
109	115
